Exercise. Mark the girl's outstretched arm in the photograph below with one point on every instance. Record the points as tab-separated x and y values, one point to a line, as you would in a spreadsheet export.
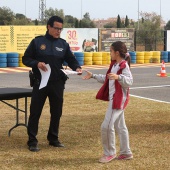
99	77
88	75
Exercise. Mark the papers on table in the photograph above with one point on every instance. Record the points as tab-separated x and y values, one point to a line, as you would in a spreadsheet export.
45	76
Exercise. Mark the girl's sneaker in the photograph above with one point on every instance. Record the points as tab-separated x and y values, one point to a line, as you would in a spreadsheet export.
106	159
125	157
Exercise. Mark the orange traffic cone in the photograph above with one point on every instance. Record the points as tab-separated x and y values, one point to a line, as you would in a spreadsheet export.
163	71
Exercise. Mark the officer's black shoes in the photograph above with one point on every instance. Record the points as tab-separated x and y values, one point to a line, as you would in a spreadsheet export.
34	148
56	144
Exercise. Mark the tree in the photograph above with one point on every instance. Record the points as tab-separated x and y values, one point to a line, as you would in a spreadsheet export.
86	22
167	27
6	16
110	25
87	16
126	22
51	12
23	21
149	30
36	22
119	23
20	16
70	20
77	24
80	24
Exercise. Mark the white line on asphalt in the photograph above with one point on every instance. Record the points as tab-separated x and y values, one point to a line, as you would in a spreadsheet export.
146	87
150	99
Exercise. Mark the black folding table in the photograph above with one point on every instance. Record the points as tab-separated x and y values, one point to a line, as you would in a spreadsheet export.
15	93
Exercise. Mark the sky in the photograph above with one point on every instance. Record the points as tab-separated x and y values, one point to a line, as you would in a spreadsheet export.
98	9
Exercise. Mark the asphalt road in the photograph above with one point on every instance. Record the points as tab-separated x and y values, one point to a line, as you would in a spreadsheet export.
146	82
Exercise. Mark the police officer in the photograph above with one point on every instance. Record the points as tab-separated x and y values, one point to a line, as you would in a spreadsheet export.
48	49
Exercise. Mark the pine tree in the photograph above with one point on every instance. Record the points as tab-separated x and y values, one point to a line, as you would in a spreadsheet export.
119	24
126	22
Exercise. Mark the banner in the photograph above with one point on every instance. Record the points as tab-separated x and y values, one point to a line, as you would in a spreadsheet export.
24	34
168	41
17	38
81	39
108	36
5	40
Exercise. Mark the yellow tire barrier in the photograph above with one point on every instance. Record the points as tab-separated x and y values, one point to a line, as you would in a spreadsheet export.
139	53
155	59
156	53
105	56
88	54
97	54
97	62
21	64
86	59
147	56
97	58
88	63
140	61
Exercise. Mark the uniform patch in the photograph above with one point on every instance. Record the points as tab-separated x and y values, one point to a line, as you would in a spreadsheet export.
59	49
43	47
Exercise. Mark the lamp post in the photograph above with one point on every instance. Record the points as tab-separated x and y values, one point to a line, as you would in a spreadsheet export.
138	14
25	9
160	8
81	9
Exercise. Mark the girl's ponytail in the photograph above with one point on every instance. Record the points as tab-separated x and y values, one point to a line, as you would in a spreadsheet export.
127	58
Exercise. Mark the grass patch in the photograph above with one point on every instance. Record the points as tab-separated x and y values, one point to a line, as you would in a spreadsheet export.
148	123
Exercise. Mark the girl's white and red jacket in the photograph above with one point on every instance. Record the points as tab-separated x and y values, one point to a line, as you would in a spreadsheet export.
121	92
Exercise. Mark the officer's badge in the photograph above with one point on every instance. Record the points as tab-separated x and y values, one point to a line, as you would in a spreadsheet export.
43	47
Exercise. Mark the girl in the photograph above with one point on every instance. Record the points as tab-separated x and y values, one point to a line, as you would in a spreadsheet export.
115	89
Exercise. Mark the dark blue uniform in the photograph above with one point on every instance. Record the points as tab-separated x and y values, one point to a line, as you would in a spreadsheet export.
52	51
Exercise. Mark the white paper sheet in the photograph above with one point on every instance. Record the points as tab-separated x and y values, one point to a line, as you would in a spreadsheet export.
68	72
45	76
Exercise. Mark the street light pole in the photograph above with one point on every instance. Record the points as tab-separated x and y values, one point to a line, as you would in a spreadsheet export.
138	14
81	9
25	8
160	8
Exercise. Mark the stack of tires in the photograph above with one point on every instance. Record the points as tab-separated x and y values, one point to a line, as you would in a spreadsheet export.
139	57
20	60
132	57
106	58
97	58
148	56
168	56
79	57
155	57
88	58
164	56
3	60
12	59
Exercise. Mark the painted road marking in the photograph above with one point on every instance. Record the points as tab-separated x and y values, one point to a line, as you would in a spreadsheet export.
147	87
149	99
84	67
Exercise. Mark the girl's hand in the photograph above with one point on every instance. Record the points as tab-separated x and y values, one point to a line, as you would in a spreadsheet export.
87	76
112	76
